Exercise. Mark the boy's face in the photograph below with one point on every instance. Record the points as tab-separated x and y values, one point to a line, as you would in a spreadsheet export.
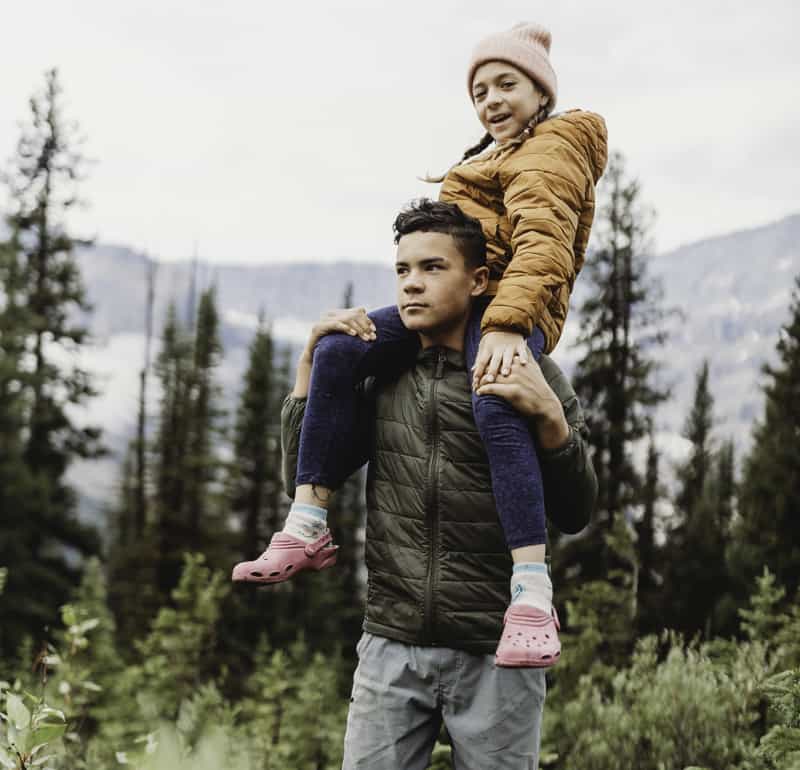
435	286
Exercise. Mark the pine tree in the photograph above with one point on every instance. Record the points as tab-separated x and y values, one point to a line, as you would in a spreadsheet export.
256	500
132	560
721	501
39	320
693	475
174	659
174	370
600	634
619	328
90	661
202	465
696	571
294	711
780	747
185	513
123	517
140	491
651	578
614	378
15	325
47	165
255	483
16	486
175	653
21	612
725	481
767	532
132	551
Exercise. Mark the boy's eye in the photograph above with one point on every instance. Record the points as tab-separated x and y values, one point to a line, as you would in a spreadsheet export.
508	83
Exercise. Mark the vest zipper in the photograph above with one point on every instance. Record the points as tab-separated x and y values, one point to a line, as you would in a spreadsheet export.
432	496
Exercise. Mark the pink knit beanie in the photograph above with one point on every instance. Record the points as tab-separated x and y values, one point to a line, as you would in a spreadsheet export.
527	47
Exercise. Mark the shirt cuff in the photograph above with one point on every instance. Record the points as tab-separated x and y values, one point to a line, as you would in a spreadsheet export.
566	449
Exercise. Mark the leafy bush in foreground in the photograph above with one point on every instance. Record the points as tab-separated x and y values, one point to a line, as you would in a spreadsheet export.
675	706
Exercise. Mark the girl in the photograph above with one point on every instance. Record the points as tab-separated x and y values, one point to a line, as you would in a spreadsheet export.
533	193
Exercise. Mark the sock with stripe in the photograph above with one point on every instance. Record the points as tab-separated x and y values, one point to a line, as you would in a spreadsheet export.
530	584
306	522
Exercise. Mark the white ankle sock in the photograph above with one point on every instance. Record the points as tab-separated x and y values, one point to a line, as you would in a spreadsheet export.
306	522
530	584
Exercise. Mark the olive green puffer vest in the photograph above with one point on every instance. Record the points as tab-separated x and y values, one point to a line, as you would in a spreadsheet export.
438	565
437	561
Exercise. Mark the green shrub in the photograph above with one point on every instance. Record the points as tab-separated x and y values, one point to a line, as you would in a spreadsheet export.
672	706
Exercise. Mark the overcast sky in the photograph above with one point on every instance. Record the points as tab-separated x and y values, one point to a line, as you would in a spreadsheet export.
273	131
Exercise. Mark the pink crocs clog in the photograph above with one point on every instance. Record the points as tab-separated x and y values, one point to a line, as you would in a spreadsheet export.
286	556
530	638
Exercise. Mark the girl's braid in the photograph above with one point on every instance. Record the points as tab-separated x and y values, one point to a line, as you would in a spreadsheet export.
471	152
478	148
540	116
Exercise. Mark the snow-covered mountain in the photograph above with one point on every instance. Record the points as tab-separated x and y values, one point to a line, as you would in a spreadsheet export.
733	291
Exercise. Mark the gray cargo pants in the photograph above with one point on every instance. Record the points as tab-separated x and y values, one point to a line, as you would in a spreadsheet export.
402	693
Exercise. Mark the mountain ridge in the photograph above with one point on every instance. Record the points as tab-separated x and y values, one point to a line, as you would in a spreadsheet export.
733	290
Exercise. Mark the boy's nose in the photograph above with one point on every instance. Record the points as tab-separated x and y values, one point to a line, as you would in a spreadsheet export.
413	286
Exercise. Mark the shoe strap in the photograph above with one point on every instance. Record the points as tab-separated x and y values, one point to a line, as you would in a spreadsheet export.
313	548
530	616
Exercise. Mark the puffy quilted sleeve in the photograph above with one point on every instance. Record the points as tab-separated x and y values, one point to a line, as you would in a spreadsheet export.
570	481
548	185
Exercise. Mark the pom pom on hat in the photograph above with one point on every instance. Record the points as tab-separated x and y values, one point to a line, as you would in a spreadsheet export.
527	47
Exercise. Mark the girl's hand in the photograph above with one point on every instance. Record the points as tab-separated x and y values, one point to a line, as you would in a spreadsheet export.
495	355
352	321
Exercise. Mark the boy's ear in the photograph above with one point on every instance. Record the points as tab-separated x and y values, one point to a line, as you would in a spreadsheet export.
480	281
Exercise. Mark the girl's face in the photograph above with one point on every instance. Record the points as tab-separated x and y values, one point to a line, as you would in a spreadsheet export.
505	99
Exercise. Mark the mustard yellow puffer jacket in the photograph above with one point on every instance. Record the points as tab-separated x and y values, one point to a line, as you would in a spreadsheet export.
535	198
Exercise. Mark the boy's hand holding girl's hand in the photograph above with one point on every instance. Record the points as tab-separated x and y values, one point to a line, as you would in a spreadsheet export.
496	353
527	390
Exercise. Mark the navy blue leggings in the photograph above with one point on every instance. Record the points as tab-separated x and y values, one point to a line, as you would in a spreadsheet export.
341	361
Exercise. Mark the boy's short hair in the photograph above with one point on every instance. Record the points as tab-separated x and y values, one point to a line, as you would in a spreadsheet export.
427	216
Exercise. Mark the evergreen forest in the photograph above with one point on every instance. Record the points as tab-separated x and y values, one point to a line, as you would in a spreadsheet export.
124	643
